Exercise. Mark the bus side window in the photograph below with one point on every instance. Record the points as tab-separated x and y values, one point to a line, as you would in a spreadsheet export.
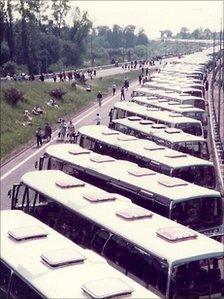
141	264
17	195
100	240
19	289
161	207
117	250
4	280
159	275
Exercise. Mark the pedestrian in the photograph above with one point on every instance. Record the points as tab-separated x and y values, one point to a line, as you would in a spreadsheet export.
39	136
47	132
114	88
140	79
99	98
126	84
61	77
42	77
94	72
71	132
98	119
110	114
206	85
62	129
122	93
54	77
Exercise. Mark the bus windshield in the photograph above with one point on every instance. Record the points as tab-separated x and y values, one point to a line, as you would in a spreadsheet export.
190	128
198	213
197	278
200	175
197	149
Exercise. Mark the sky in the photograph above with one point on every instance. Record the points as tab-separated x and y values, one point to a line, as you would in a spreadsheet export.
154	16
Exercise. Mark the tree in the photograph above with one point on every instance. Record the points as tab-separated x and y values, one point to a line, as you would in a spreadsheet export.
141	51
38	8
142	38
116	40
129	36
10	35
60	10
23	13
166	33
184	33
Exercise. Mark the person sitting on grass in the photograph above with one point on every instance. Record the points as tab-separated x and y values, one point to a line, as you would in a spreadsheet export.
27	118
52	103
38	110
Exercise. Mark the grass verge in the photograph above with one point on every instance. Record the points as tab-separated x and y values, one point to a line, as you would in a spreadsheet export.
14	136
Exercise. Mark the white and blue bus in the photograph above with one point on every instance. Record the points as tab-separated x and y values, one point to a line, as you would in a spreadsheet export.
175	139
194	206
38	262
148	154
170	119
172	260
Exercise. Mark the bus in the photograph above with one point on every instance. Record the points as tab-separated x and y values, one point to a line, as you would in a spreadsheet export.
164	77
170	119
184	109
175	88
172	96
175	139
38	262
194	206
172	260
148	154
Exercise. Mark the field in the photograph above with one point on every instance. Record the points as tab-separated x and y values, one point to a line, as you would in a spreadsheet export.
14	135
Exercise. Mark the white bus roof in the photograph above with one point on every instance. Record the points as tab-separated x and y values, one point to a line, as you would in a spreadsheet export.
167	105
24	257
168	94
173	84
109	169
143	148
180	136
142	232
176	88
165	116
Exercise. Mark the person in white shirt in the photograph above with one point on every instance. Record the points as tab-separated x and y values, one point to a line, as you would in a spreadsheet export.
98	119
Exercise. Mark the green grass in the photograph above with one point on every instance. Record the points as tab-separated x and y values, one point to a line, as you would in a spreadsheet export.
14	135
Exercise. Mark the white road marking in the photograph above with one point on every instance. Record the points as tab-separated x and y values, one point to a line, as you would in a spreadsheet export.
52	140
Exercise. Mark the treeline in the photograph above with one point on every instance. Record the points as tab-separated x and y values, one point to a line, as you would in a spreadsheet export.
37	39
184	33
35	36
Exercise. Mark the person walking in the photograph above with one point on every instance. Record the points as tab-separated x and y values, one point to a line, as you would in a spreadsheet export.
114	88
110	114
206	85
71	132
98	119
126	83
62	129
140	79
47	132
42	77
54	77
122	94
99	98
39	136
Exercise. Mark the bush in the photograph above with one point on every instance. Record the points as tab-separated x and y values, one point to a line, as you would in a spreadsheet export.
12	96
57	93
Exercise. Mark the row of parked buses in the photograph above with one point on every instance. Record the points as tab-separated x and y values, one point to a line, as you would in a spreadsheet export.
140	194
